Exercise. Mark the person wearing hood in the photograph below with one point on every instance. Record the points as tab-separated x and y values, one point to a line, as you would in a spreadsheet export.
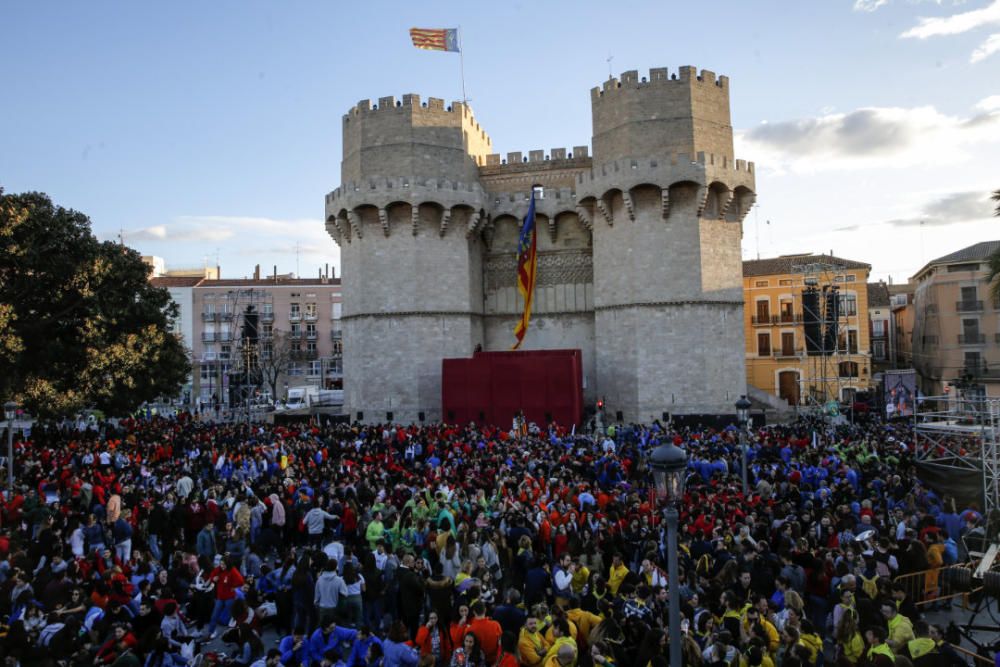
327	594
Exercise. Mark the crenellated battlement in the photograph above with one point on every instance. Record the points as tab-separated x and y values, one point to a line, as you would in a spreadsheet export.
538	156
660	77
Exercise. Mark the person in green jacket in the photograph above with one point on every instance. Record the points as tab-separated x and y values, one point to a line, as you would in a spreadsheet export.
375	531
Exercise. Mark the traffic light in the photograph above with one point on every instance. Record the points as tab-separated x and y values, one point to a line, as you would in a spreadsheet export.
600	404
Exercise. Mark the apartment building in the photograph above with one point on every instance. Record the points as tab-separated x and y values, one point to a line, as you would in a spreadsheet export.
901	302
793	351
956	323
298	328
880	327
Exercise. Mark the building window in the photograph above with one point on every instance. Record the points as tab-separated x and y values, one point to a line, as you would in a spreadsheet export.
787	309
763	311
956	268
973	362
787	343
311	331
315	368
848	369
338	308
296	331
266	330
763	345
294	368
294	311
878	327
878	350
224	353
852	341
786	282
206	372
338	347
760	283
848	305
311	311
311	347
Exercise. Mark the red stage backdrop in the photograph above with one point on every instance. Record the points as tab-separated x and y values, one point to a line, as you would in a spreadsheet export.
491	387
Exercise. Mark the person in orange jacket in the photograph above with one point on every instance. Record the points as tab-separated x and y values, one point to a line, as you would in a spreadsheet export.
487	631
434	643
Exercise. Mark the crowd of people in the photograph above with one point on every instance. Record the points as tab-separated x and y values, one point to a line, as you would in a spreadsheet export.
155	542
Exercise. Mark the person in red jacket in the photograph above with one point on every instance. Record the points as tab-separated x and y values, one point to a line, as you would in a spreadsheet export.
227	579
487	631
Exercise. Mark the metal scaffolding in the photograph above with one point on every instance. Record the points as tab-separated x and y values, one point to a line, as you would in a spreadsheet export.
963	433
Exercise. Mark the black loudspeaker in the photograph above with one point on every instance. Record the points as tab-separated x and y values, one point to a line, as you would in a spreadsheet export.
619	416
831	330
361	416
420	416
665	417
388	416
811	321
250	330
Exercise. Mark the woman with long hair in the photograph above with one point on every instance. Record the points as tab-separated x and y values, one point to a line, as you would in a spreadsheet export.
469	654
352	592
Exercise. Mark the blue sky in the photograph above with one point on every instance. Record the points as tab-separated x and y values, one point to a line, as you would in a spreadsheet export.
205	129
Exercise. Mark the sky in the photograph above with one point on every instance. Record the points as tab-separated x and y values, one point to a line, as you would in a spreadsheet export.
209	132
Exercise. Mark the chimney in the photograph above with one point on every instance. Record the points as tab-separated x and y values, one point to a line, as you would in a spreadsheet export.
256	272
327	270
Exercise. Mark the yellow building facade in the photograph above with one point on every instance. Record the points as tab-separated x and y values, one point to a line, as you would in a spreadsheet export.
793	351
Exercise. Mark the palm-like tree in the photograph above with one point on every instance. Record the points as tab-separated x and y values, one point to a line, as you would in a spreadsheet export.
995	257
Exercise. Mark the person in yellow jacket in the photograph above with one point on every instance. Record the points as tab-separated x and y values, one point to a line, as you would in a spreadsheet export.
561	644
756	656
617	574
532	646
923	644
751	618
879	653
850	643
809	639
900	627
584	621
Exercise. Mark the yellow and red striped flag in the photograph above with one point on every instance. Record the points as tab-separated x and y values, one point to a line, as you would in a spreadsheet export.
527	268
435	39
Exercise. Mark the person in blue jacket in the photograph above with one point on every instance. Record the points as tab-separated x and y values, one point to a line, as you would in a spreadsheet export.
328	638
359	651
395	651
295	649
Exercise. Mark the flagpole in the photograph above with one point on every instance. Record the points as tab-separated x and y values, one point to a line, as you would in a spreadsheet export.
461	63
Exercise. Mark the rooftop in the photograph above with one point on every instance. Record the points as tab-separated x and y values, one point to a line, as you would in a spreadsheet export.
976	252
786	264
878	295
176	281
280	281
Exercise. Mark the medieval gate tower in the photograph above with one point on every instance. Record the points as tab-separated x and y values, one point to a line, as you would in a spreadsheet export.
639	262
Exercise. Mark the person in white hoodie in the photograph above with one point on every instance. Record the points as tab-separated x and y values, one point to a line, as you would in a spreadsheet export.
327	593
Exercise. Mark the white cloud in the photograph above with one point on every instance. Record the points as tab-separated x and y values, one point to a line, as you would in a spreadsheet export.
869	137
951	208
956	23
157	233
175	233
986	49
868	5
988	104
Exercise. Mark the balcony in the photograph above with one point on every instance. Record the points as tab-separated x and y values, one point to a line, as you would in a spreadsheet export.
208	337
295	335
226	315
788	354
208	317
972	339
762	320
981	371
789	318
267	317
305	355
224	337
311	335
338	334
294	317
996	338
310	317
968	306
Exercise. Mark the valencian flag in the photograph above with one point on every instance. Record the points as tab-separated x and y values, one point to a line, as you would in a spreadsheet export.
435	39
527	269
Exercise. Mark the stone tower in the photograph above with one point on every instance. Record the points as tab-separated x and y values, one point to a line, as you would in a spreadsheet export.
413	269
639	248
667	201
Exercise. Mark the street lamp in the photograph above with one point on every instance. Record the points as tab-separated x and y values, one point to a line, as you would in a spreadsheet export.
743	416
10	411
669	464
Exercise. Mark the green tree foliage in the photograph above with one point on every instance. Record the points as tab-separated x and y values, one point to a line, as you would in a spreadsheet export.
995	257
80	324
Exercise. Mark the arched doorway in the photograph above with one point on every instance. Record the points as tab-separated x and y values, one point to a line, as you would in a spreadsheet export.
788	386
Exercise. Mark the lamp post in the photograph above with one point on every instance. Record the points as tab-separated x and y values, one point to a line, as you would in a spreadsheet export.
669	464
10	411
743	416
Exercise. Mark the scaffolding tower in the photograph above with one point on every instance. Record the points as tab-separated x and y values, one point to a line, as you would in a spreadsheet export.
824	347
963	433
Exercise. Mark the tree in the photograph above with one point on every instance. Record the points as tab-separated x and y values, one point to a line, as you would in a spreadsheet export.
80	324
995	257
275	353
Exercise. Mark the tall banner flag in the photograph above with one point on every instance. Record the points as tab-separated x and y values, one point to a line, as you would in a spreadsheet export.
435	39
527	269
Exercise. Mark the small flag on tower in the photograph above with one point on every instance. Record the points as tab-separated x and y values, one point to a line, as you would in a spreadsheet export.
527	266
435	39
